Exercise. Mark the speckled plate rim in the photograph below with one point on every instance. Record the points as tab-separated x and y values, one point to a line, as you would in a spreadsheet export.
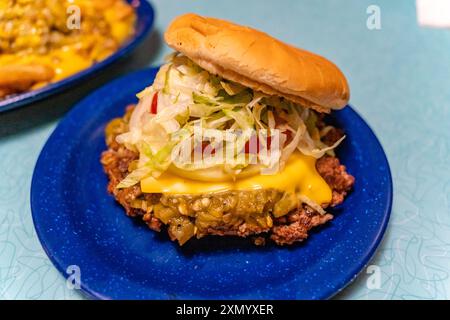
328	293
144	24
377	240
359	268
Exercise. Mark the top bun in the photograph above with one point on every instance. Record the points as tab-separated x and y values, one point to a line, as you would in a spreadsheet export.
256	60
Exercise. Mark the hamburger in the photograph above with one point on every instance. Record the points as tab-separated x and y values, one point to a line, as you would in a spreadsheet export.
231	138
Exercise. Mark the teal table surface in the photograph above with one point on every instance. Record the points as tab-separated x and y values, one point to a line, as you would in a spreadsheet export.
400	81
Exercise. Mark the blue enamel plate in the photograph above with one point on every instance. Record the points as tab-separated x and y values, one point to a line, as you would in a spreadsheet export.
144	23
79	223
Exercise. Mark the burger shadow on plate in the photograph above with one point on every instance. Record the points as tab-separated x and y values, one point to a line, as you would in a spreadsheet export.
222	244
54	107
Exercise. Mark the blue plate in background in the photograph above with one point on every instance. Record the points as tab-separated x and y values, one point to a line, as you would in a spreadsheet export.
145	17
79	223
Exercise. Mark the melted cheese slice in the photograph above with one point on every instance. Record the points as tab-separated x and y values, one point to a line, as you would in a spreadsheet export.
64	61
298	176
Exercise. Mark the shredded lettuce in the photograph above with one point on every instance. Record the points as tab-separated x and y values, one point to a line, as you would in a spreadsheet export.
217	121
232	88
189	96
155	165
243	98
314	205
319	152
135	177
202	110
201	99
241	117
166	88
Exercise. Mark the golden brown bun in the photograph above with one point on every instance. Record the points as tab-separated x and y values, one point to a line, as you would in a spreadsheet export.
258	61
